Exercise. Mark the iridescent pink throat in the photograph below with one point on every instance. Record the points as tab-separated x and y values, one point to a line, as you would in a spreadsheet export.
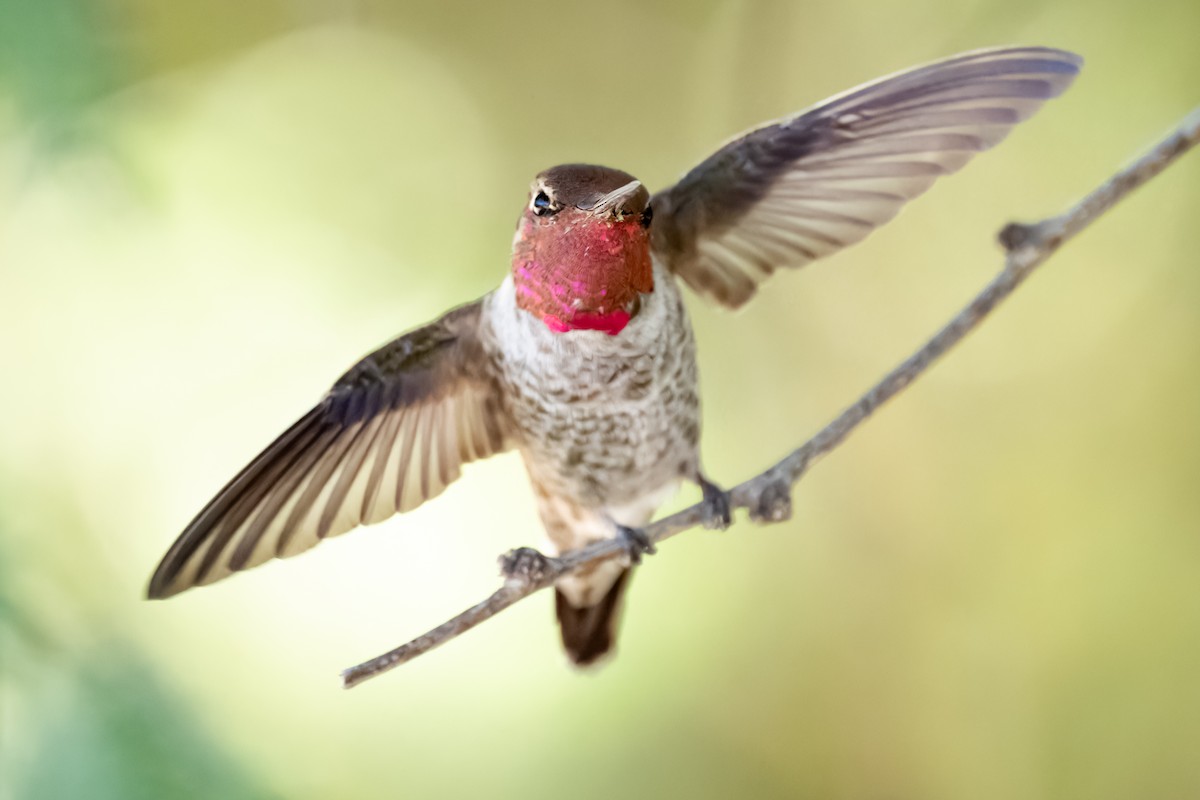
577	272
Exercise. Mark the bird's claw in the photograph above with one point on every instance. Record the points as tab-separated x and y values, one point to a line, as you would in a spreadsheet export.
717	511
636	543
525	565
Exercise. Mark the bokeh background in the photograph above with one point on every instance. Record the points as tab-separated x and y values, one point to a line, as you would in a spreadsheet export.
209	210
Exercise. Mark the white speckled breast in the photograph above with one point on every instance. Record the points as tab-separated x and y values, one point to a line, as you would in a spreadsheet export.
602	421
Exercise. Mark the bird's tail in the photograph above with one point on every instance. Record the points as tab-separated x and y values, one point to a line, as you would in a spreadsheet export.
589	632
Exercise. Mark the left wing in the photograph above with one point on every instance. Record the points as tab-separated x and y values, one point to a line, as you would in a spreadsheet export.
390	434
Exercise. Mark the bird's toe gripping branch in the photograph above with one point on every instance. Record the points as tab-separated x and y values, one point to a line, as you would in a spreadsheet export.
636	542
526	565
717	507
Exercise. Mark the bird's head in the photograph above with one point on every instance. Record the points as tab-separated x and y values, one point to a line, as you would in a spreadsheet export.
581	254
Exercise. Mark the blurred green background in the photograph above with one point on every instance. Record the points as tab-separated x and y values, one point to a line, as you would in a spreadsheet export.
209	210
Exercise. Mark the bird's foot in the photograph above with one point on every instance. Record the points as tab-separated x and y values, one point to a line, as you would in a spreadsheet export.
526	565
717	513
772	502
636	542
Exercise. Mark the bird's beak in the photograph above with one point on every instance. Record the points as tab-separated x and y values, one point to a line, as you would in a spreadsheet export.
610	202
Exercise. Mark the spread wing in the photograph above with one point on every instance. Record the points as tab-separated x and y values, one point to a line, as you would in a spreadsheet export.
390	434
801	188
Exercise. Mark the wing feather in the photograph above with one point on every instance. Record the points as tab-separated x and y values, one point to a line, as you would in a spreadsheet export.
801	188
393	432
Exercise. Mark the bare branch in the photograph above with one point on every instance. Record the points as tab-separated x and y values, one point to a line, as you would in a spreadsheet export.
768	495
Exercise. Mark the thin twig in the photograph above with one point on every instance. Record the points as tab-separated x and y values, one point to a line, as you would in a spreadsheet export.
768	495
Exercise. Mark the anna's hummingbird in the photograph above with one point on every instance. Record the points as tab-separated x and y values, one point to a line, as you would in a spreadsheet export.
583	358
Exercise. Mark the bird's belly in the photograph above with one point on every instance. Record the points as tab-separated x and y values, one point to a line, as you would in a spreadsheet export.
612	453
602	421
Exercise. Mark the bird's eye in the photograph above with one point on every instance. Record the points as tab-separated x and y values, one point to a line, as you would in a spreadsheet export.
647	215
542	205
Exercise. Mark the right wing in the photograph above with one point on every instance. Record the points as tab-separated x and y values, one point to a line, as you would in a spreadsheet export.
390	434
801	188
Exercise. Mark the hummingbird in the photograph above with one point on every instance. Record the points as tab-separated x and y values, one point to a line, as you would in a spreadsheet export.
583	358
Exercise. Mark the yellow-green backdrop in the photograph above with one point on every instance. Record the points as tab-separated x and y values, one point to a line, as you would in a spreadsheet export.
208	210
